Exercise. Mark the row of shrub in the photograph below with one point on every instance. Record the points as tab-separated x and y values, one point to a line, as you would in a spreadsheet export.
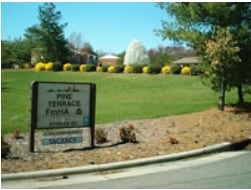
151	69
47	66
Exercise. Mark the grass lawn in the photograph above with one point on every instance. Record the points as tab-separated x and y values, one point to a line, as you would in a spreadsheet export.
119	96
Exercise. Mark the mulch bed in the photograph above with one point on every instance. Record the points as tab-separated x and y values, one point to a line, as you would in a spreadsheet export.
155	137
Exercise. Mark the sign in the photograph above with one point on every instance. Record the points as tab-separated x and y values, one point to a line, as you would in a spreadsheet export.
63	105
71	136
62	140
57	105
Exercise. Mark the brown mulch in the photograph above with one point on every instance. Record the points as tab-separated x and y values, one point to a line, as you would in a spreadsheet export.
155	137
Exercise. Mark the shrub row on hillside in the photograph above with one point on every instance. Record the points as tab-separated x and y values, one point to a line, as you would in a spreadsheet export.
151	69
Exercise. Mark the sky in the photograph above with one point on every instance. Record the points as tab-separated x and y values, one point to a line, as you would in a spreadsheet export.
108	26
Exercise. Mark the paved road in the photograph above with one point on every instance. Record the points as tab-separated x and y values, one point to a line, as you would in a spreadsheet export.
224	170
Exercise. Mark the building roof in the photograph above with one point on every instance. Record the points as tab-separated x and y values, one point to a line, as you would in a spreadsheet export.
187	60
109	57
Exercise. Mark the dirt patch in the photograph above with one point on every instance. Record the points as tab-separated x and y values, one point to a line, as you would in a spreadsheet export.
155	137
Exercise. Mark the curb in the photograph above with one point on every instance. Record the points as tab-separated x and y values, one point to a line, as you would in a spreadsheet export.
225	146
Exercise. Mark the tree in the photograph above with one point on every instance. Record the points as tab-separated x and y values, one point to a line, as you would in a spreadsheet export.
75	44
75	40
88	54
196	23
136	54
222	51
48	34
121	58
160	56
165	55
7	58
15	52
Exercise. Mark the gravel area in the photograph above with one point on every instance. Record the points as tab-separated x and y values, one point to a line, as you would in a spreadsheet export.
155	137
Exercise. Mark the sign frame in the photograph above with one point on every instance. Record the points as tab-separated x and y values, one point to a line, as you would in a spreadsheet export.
35	99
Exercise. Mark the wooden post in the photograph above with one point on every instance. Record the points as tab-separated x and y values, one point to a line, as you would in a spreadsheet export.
33	115
92	113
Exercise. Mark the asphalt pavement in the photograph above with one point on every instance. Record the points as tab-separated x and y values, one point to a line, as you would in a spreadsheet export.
230	170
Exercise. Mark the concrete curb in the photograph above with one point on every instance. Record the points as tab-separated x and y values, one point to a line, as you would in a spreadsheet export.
125	164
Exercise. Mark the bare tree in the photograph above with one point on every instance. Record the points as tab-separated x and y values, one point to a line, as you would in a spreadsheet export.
76	42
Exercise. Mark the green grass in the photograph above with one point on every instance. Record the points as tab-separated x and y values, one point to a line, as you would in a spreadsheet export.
119	96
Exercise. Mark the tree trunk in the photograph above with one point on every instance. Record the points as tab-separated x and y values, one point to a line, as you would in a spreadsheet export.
222	89
222	99
240	94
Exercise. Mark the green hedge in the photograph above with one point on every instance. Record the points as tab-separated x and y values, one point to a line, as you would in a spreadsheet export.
57	66
176	69
119	69
75	67
155	69
90	68
104	68
137	68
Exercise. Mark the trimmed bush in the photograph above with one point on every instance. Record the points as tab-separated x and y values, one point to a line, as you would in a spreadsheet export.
186	70
128	69
137	69
155	69
26	66
176	69
111	69
166	69
40	66
67	67
57	66
49	66
75	67
105	68
82	67
119	69
146	69
99	69
197	70
90	68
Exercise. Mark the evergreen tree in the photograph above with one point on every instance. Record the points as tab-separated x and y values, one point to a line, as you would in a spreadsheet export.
15	52
48	34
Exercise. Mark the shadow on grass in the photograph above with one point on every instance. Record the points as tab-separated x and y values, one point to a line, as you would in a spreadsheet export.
4	87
